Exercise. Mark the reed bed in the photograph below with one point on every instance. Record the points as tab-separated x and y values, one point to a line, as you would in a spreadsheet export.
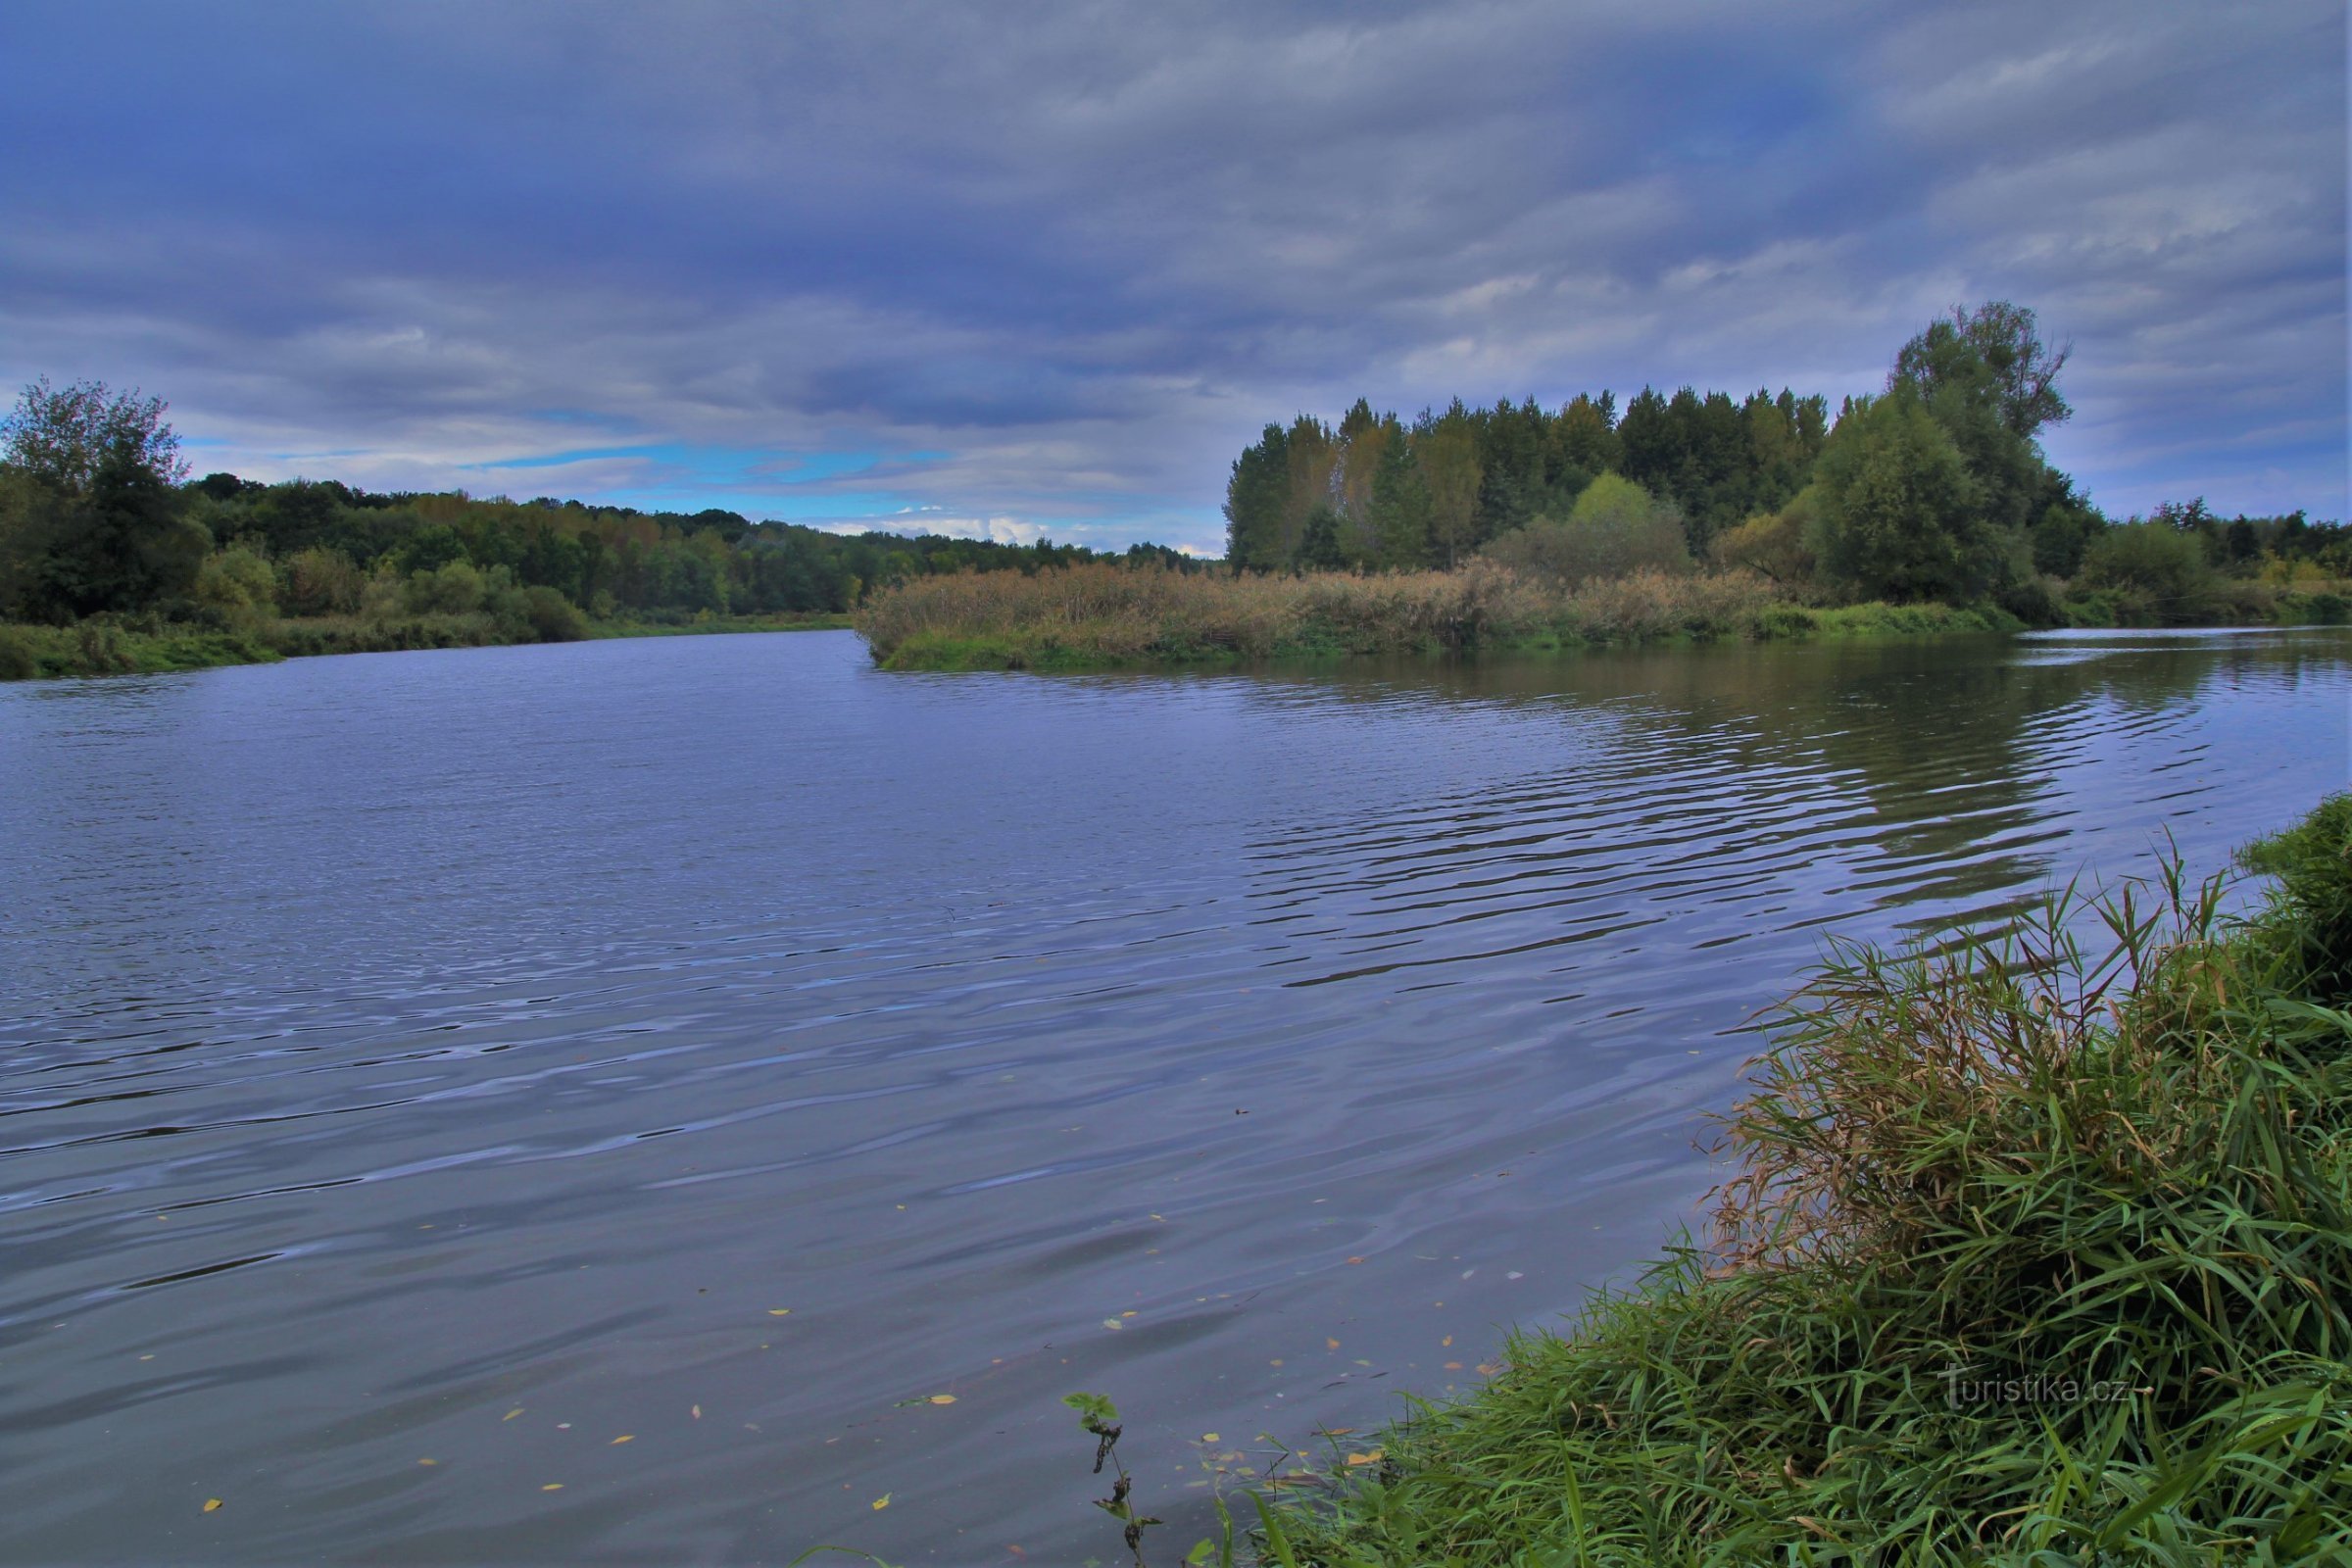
2038	1251
1105	613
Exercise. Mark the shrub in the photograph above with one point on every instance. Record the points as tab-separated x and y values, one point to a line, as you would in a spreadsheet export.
20	659
552	618
2165	565
1774	545
2036	600
322	582
454	589
1615	528
236	582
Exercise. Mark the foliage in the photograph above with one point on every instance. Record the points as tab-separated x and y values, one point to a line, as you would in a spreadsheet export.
2165	564
1774	544
1615	527
62	437
2040	1250
1898	510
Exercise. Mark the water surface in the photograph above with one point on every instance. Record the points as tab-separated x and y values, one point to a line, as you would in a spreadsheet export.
718	1043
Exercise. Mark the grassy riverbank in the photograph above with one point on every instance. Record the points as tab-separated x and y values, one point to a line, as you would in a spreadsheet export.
147	645
1101	615
2033	1255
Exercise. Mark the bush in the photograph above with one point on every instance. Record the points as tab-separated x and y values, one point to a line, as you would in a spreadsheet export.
2163	565
20	659
236	586
2039	602
322	582
1776	543
1615	528
550	617
454	589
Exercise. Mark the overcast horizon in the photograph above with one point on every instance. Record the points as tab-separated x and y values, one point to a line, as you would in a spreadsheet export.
1044	271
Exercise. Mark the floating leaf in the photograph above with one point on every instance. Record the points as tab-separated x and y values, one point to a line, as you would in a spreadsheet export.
1209	1437
428	1461
553	1486
210	1503
698	1413
1112	1323
943	1398
1364	1458
882	1502
511	1414
1448	1339
779	1311
1355	1261
1331	1344
1454	1366
626	1436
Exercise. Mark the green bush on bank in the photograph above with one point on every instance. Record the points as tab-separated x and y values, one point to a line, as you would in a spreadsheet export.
2040	1251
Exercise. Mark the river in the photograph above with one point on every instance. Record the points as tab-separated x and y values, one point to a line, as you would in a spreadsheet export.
421	1072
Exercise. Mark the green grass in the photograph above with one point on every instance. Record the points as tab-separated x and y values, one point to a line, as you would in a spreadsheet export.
2123	1162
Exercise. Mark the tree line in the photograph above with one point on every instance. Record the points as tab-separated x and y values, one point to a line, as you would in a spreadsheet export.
1934	488
98	516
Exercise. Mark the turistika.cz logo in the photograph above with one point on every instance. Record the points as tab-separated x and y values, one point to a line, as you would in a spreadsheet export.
1960	1387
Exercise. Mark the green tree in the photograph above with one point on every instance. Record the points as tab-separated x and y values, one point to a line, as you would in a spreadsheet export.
1399	505
1446	450
1253	502
1898	511
94	521
64	436
1993	354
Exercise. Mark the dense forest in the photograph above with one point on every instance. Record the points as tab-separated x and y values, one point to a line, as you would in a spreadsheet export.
1933	489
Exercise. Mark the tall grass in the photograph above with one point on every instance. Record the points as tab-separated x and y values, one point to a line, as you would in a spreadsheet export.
2038	1251
1099	613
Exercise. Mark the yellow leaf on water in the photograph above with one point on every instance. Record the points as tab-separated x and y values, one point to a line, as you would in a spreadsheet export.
1454	1366
1126	1315
698	1413
1209	1437
1331	1343
1364	1458
511	1414
626	1436
553	1486
1448	1339
428	1461
210	1503
779	1311
1355	1261
1112	1323
882	1502
943	1398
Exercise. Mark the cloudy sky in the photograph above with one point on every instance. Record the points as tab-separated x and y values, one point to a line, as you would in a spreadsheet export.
1017	270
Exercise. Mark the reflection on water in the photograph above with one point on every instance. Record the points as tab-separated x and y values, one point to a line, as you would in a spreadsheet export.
716	1043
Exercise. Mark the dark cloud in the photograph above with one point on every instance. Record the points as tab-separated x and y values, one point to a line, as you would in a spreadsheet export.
1049	267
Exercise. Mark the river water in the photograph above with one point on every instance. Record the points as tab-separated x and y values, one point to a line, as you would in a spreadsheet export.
481	1057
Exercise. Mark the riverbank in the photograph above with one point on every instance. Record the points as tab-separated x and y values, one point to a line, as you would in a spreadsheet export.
1095	616
1098	616
2033	1254
148	646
